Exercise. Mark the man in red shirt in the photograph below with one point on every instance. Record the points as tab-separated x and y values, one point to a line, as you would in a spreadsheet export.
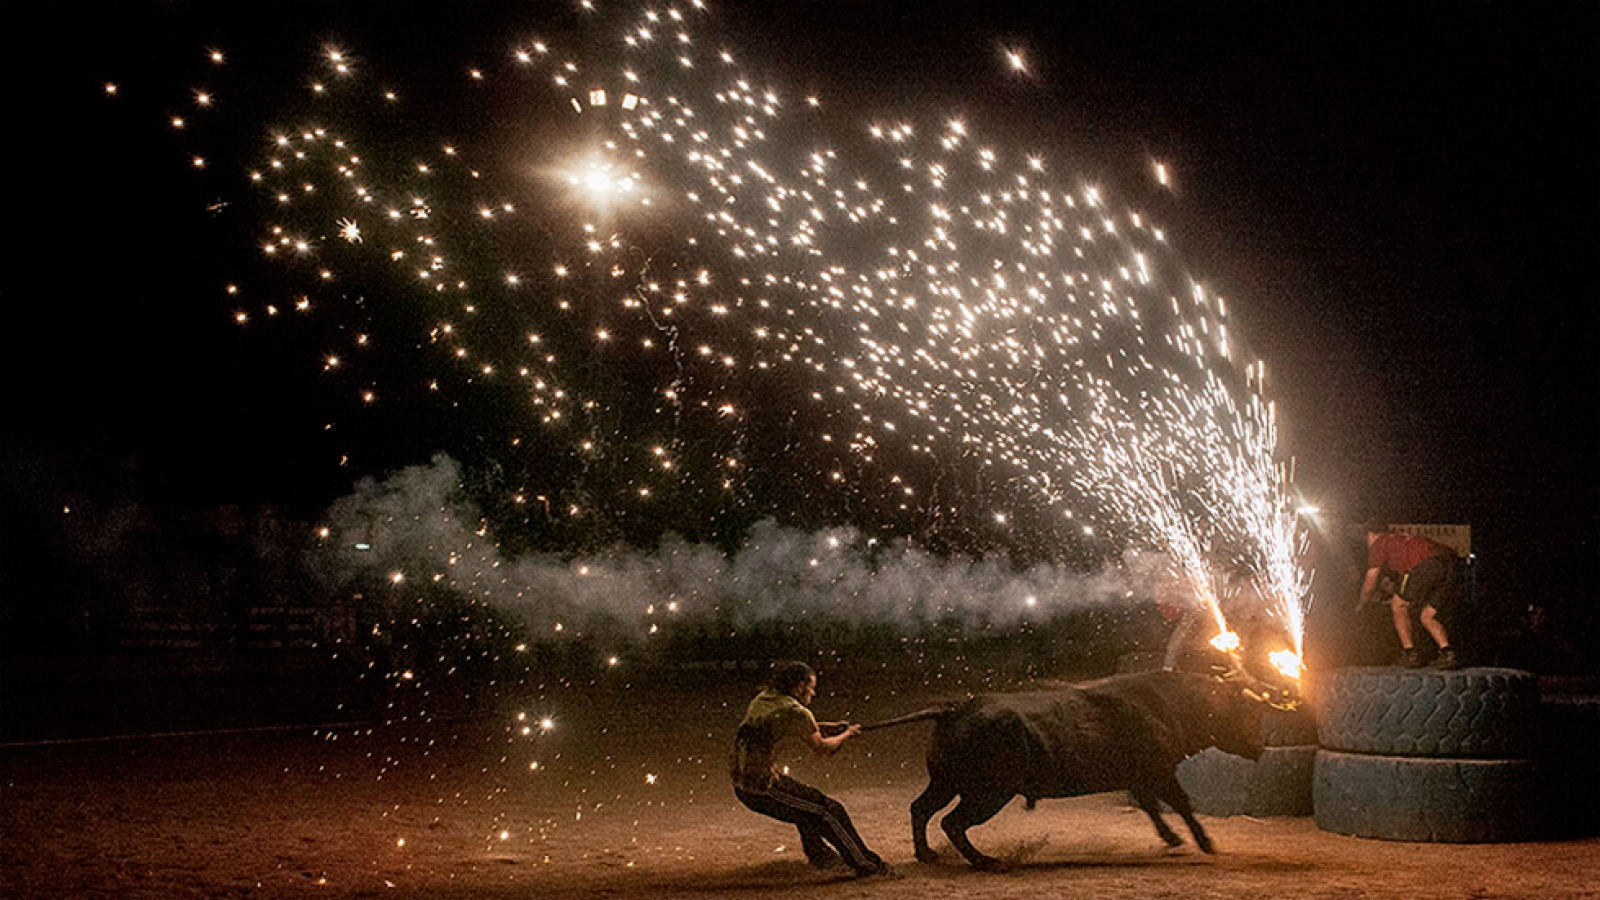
1416	572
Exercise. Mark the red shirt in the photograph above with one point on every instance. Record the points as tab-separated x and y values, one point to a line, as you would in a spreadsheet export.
1400	552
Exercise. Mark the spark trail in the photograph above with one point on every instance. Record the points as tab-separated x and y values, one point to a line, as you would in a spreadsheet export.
696	245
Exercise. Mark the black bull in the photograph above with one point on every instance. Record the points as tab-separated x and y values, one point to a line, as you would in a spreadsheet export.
1127	732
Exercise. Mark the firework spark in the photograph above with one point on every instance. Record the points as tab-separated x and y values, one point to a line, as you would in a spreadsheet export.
946	299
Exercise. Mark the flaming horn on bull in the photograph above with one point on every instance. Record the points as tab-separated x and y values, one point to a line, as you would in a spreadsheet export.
1285	661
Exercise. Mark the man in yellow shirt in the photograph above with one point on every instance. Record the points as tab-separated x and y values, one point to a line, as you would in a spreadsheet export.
778	712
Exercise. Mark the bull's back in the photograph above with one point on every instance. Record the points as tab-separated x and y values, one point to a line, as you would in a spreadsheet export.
1046	744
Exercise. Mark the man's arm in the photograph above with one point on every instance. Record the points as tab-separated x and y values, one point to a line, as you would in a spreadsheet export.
1368	586
827	746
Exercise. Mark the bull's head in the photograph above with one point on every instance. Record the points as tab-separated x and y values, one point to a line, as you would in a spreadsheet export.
1236	703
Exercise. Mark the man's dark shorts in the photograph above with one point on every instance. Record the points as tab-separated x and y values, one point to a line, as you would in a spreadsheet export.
1435	582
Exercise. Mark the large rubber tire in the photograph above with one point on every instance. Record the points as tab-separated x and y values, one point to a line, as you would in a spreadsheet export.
1288	728
1277	784
1482	713
1394	798
1570	752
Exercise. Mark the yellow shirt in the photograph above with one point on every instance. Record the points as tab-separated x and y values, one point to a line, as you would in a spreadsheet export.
771	717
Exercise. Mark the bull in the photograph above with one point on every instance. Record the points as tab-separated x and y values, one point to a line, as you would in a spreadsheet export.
1126	732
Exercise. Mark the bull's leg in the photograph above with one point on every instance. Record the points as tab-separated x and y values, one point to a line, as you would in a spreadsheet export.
935	797
974	809
1172	792
1147	800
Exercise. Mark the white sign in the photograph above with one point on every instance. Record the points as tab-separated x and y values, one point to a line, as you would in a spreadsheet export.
1456	537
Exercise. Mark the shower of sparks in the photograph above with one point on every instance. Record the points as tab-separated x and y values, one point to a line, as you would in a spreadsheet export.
940	295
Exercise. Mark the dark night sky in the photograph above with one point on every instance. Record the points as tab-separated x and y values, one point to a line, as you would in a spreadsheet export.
1401	200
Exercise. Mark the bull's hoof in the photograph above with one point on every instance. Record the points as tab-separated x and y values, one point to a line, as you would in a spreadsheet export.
1205	845
987	864
927	855
1172	839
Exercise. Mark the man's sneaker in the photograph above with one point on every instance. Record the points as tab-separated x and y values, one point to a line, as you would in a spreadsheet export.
828	860
1445	660
883	871
1409	659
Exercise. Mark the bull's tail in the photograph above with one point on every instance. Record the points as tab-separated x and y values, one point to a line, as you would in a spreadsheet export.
937	712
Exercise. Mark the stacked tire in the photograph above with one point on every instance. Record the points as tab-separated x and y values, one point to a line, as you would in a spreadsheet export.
1277	784
1424	755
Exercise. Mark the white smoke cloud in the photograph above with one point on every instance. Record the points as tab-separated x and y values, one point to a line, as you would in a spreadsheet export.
418	525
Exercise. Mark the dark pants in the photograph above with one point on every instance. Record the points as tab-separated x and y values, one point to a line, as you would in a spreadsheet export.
821	819
1435	582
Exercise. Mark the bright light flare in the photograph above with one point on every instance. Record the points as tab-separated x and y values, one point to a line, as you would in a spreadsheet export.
1288	662
602	185
1226	641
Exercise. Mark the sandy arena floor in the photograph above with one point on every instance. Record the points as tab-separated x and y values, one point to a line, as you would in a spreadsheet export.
629	798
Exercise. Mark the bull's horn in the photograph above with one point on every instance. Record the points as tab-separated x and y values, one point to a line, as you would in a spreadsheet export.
1230	673
1256	689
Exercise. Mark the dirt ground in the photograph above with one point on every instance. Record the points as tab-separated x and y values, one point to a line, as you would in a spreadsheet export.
626	796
